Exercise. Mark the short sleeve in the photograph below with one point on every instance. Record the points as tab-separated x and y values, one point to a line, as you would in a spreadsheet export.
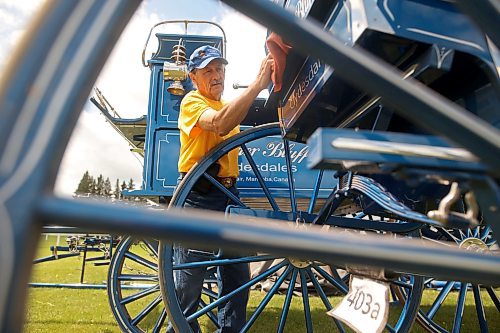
192	107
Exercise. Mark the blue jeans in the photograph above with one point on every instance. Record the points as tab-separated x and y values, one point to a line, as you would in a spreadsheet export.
189	282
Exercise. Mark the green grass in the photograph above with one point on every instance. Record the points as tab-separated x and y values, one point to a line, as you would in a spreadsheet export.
77	310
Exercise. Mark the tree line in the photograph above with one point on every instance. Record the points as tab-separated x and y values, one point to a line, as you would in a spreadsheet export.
89	185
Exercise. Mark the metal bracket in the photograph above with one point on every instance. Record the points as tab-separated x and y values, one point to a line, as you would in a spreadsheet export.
445	215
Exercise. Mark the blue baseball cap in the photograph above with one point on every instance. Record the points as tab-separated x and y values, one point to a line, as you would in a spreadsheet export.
202	57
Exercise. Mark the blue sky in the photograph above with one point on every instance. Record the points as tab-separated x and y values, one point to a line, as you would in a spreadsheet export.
95	146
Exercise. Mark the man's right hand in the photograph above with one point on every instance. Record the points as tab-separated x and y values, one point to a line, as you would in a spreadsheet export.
266	68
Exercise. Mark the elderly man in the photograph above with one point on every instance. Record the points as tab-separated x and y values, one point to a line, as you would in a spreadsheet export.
205	120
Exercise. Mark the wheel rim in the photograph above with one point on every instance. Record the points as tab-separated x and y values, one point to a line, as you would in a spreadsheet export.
310	275
133	288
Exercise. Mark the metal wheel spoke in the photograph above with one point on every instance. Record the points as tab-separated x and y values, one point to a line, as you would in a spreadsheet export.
259	178
462	235
323	297
288	301
210	314
340	286
440	299
224	190
142	261
221	262
154	250
146	311
319	289
291	182
476	232
437	241
267	299
459	312
208	292
485	233
247	285
140	294
138	277
403	284
493	297
478	300
161	320
314	196
305	301
451	236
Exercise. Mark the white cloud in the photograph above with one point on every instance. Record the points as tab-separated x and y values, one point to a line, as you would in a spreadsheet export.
124	80
96	147
245	51
14	15
27	7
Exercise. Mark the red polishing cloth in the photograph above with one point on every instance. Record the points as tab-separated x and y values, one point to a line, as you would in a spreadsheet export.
278	49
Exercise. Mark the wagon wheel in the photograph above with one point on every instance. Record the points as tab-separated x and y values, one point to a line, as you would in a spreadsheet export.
436	317
291	276
133	287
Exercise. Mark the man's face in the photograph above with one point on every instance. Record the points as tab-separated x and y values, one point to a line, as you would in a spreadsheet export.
210	80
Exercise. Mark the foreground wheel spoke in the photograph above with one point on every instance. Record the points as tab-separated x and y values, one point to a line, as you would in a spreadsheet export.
457	323
305	301
260	179
210	314
141	294
146	310
440	299
152	248
493	297
323	297
314	196
141	260
159	323
339	284
138	277
291	182
288	301
247	285
221	262
267	299
480	308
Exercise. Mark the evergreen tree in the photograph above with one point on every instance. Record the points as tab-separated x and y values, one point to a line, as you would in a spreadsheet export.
124	187
93	186
100	185
107	187
84	185
117	191
130	185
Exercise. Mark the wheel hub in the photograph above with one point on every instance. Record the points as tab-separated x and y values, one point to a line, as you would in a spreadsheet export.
473	244
299	263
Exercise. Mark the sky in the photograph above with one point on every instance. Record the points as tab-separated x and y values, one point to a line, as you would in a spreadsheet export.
95	146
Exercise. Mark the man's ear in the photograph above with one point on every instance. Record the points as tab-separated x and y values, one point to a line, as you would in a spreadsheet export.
193	78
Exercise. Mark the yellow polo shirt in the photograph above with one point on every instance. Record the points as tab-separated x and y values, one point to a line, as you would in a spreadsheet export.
196	142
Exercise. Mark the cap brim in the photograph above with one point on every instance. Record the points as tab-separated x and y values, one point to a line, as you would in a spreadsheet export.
205	62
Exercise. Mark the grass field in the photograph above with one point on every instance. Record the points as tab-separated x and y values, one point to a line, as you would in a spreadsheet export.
77	310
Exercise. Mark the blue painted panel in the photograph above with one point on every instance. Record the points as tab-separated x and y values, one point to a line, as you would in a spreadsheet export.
268	153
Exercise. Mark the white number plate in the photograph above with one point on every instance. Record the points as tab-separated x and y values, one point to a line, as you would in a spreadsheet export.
366	307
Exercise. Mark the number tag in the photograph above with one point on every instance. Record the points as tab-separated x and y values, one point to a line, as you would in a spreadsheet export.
366	307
